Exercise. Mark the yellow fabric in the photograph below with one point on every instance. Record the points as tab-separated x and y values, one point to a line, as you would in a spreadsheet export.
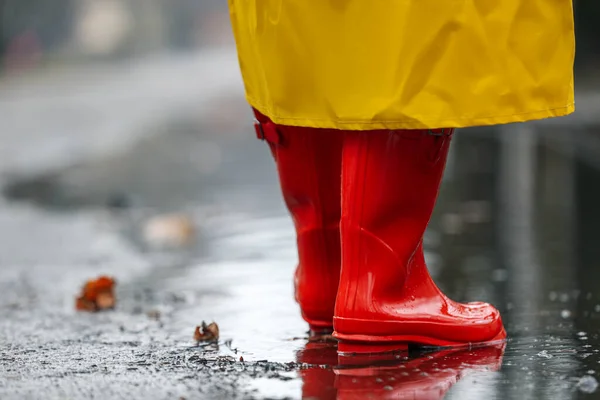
405	64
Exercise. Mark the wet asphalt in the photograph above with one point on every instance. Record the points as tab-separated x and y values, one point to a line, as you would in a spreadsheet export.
516	225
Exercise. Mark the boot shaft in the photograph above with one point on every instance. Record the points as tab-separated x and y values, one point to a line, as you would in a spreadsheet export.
390	183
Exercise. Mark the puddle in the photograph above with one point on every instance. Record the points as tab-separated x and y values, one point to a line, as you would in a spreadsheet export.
515	226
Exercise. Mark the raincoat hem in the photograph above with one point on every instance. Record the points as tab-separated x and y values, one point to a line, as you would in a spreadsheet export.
421	123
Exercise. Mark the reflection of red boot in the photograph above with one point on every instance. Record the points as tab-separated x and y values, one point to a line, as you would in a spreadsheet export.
309	166
318	380
425	378
386	298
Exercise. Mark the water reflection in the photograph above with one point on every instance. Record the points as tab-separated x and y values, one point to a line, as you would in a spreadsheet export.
393	376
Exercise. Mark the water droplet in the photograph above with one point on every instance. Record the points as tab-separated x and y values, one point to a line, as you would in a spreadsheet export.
565	314
564	297
388	388
581	333
587	384
544	354
597	308
553	296
588	296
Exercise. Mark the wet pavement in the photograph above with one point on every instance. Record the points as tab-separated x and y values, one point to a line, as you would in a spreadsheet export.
515	226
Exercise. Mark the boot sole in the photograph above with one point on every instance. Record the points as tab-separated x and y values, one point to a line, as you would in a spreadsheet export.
349	344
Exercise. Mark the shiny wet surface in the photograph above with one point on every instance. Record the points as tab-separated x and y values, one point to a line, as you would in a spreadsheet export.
515	226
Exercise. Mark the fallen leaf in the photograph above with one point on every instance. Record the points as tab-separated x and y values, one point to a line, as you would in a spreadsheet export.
241	359
97	295
206	333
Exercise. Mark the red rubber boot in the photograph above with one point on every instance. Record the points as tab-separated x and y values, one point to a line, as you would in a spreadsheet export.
309	165
386	297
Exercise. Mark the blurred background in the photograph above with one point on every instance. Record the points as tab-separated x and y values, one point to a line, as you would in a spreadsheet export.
126	148
37	34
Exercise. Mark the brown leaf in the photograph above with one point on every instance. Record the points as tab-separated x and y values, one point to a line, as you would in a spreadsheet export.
206	333
97	295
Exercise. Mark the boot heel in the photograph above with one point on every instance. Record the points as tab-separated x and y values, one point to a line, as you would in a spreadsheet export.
348	348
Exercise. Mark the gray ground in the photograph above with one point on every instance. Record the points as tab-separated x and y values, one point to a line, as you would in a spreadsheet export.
88	156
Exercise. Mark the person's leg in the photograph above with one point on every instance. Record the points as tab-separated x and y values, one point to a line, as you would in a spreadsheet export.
386	297
309	166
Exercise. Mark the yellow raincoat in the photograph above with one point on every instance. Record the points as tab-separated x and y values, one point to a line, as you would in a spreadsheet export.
405	64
